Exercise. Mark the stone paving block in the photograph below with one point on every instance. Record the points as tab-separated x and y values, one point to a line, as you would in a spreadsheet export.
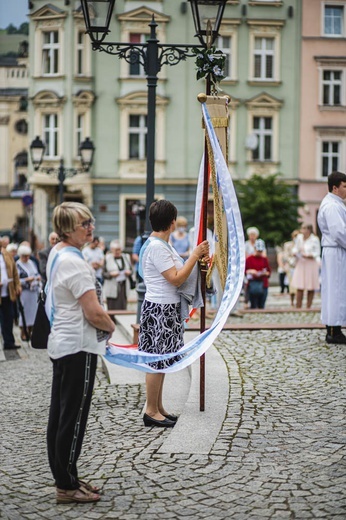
280	434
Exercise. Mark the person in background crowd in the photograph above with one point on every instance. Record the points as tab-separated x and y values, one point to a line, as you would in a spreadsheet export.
282	269
12	249
32	256
9	291
5	239
53	239
117	273
80	329
253	235
332	222
161	327
93	254
102	245
258	271
180	238
139	241
30	281
291	263
307	251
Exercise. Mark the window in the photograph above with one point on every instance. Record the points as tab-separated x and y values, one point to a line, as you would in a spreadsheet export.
330	157
50	53
224	44
262	127
136	69
333	20
79	132
137	137
80	66
264	58
50	135
332	82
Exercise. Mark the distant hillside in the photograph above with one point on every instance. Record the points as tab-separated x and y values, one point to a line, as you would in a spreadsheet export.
10	42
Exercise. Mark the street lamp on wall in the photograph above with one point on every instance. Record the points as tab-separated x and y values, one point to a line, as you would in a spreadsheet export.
86	150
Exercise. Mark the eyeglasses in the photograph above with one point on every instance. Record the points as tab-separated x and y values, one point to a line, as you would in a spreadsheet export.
87	223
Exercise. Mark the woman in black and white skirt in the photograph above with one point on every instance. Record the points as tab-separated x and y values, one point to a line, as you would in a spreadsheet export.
161	328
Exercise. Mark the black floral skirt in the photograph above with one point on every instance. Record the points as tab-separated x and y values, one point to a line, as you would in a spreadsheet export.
161	331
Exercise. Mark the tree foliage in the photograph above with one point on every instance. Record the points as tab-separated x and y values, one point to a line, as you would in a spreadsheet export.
269	204
22	29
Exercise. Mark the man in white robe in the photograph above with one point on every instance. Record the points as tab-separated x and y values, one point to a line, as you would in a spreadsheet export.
332	222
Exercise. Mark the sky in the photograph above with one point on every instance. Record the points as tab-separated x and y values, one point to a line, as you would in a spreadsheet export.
13	11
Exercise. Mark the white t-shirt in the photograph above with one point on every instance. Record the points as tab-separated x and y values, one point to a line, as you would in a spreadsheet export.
94	255
157	258
71	332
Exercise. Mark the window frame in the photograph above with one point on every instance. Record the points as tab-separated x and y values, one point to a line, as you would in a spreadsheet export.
265	29
142	132
53	50
142	39
264	105
229	29
329	155
228	52
342	6
262	133
332	84
335	64
329	135
53	132
80	55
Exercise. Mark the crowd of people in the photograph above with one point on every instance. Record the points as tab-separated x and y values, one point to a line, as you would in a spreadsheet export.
23	275
75	265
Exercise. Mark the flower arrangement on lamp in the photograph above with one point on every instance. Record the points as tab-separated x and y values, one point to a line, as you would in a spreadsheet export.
210	62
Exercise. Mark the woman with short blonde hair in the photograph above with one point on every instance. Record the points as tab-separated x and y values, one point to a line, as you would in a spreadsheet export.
79	330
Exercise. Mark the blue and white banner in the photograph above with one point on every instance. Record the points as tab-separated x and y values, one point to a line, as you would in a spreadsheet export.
131	357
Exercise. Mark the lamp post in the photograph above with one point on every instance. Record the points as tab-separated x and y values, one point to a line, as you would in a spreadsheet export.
207	15
152	55
86	151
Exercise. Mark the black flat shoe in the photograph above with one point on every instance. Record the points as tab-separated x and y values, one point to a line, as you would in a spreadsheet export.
11	347
171	417
149	421
339	339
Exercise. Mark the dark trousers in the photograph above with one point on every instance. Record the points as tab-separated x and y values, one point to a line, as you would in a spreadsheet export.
72	386
258	301
6	321
283	286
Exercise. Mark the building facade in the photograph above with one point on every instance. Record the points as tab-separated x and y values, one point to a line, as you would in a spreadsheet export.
14	81
323	100
76	93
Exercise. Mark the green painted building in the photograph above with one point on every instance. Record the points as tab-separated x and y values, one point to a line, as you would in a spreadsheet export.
76	92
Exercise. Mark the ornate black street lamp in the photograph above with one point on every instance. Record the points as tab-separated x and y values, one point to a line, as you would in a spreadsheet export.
86	151
207	15
151	55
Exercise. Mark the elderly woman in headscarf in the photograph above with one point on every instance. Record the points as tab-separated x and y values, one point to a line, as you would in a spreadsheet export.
117	275
30	281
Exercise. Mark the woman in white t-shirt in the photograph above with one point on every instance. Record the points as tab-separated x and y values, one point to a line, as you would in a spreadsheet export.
161	328
79	329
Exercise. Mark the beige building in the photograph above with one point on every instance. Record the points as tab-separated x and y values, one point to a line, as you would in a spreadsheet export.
14	141
323	100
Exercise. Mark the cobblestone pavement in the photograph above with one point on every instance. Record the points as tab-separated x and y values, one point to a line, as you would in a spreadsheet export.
280	453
